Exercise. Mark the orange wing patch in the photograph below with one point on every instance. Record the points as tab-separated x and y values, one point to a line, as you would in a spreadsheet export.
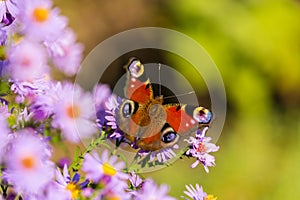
178	119
139	91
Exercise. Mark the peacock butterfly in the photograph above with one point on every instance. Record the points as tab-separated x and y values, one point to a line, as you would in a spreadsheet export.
147	122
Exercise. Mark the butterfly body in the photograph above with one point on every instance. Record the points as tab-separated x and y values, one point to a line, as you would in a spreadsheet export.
147	122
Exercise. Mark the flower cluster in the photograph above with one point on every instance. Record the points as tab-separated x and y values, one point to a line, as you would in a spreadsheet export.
200	149
39	114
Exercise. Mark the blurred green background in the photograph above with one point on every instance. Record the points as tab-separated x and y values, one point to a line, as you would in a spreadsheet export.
256	46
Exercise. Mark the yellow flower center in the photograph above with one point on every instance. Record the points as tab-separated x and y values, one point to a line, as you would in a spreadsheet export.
73	111
210	197
41	14
73	189
28	162
108	169
112	198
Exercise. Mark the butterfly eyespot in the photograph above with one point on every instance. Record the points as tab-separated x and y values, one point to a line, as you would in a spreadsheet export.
128	108
168	134
136	68
202	115
169	137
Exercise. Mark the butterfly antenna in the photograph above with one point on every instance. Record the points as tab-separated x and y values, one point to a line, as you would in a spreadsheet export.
180	95
159	80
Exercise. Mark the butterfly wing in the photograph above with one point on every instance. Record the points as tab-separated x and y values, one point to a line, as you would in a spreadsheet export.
149	124
183	118
136	89
133	116
178	119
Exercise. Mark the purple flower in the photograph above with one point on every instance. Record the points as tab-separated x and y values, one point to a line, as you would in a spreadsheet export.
39	21
74	113
87	192
152	191
66	53
4	138
106	115
53	191
194	193
22	118
70	186
3	66
200	149
45	101
4	110
112	107
27	61
3	37
101	93
29	169
105	169
163	155
64	161
8	11
135	180
197	193
116	190
29	90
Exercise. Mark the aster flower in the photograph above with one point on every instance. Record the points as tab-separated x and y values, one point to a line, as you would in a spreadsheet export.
200	149
87	192
152	191
3	64
39	21
107	116
23	117
4	110
164	154
63	161
45	101
70	186
66	53
3	38
158	157
197	193
116	191
74	113
28	167
54	191
105	169
106	113
27	61
194	193
8	12
135	180
101	93
4	131
29	90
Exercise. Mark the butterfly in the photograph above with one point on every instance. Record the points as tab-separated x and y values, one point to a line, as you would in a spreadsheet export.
146	121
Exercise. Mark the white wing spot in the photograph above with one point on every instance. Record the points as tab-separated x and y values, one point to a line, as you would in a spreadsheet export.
132	86
133	79
187	124
193	121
